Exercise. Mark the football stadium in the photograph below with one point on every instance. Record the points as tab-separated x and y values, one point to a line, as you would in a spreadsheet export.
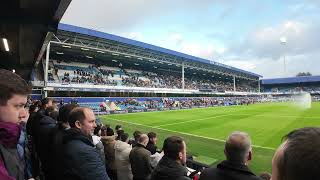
142	87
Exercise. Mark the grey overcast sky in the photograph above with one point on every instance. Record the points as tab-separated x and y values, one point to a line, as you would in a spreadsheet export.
241	33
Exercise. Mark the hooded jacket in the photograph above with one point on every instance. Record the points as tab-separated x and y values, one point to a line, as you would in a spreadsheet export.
108	143
123	166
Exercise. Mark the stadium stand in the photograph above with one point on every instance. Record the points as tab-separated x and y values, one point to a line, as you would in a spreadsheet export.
309	84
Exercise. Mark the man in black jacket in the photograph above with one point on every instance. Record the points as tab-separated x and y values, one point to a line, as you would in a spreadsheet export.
81	160
238	152
151	146
171	166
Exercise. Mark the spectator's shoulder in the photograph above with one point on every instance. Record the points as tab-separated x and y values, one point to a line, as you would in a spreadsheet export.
207	173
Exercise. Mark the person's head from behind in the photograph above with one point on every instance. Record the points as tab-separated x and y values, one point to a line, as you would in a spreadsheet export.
110	131
46	103
143	139
238	148
97	130
64	113
33	108
118	127
13	97
124	137
83	119
152	137
174	148
52	112
298	158
136	135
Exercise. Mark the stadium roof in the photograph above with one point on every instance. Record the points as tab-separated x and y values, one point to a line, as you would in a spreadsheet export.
291	80
26	25
97	34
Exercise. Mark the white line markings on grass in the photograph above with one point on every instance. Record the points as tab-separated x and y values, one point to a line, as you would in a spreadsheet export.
213	117
188	134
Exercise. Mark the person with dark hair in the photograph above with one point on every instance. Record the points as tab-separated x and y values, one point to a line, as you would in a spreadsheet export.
238	152
298	157
45	103
172	164
32	113
119	133
118	127
52	112
151	146
96	139
136	136
56	141
41	128
13	98
140	159
122	150
108	141
80	158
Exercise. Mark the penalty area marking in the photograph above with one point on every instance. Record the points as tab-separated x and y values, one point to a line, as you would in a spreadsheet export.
188	134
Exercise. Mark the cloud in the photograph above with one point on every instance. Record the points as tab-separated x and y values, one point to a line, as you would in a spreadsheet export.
108	15
302	38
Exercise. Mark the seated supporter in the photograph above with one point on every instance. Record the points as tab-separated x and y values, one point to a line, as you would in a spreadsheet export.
172	164
238	152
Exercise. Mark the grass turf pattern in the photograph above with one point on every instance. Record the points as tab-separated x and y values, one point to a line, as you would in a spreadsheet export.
205	129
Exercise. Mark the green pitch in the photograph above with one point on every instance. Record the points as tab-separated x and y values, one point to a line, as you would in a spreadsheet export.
206	129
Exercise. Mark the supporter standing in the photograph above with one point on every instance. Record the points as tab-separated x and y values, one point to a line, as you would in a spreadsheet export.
122	151
80	158
172	164
140	159
13	98
238	152
151	146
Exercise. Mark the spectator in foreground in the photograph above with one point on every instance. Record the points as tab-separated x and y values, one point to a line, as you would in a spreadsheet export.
80	158
140	159
298	158
13	98
151	146
238	152
172	164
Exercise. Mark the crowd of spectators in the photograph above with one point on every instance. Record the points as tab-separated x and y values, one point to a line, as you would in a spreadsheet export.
103	76
290	89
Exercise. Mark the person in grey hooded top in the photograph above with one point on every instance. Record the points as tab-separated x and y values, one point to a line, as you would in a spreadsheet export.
122	151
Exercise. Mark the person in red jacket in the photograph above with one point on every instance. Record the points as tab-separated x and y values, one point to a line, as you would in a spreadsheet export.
13	98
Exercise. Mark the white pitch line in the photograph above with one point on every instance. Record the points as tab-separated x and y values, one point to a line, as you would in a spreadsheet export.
271	115
213	117
188	134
